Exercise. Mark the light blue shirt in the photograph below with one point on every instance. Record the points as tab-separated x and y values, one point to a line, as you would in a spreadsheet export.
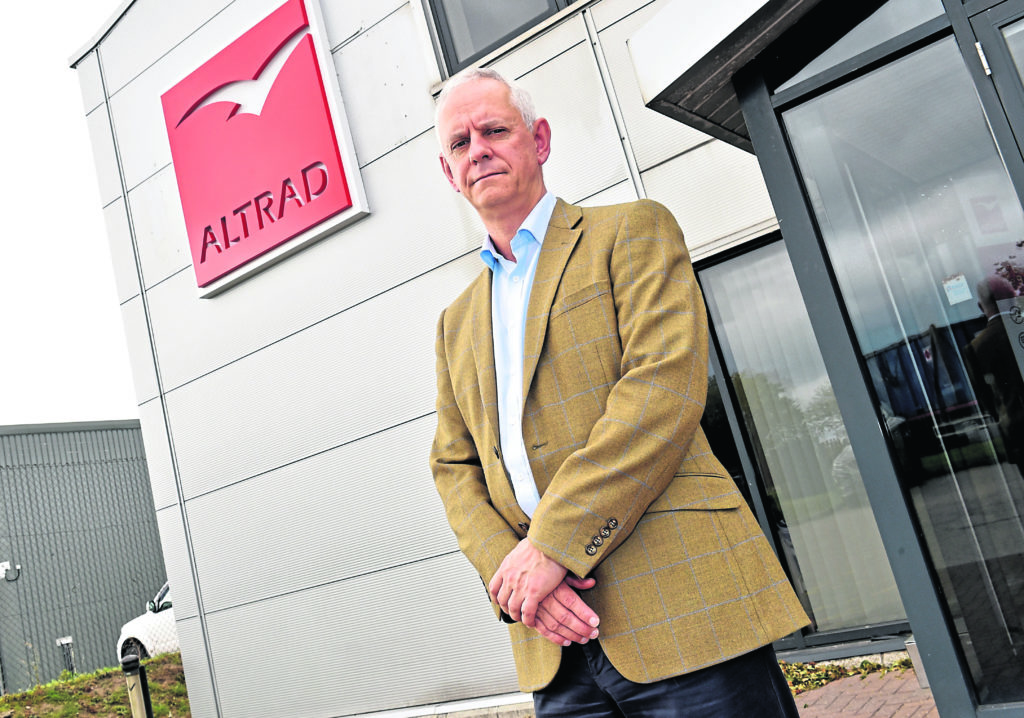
510	297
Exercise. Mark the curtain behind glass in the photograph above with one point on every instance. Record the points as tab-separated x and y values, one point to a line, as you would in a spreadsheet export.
826	529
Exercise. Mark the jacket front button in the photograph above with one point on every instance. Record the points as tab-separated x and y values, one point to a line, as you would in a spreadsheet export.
523	526
591	549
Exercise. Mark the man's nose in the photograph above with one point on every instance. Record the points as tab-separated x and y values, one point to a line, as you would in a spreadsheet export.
479	149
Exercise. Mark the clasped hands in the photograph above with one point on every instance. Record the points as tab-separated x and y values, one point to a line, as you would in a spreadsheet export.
539	592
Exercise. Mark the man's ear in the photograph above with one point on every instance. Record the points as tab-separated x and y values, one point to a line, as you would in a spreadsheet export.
542	139
446	168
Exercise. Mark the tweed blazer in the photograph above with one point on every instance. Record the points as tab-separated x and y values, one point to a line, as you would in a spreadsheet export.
614	381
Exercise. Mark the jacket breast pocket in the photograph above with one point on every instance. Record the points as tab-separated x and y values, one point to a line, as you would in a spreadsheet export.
583	338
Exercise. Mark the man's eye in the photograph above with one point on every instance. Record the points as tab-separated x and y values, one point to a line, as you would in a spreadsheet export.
496	130
458	144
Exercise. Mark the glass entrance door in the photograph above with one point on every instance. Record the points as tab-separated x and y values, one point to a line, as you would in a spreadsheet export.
925	234
815	503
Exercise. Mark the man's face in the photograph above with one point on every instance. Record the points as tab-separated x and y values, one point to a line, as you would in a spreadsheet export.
488	154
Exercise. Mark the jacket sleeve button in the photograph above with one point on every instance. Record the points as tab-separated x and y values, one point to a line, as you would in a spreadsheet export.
613	523
597	540
606	532
591	549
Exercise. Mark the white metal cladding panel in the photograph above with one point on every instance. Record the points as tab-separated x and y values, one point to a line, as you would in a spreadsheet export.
715	192
617	194
137	337
557	39
654	136
386	86
346	18
138	114
196	665
159	227
334	516
416	223
607	12
362	371
158	454
413	635
152	28
103	155
90	83
586	154
122	257
179	573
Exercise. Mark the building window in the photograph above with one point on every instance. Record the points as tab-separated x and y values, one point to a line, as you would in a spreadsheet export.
469	29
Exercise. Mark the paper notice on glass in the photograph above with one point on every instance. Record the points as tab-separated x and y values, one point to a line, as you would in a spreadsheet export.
957	289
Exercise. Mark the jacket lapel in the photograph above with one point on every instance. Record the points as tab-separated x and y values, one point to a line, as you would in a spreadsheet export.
563	232
483	347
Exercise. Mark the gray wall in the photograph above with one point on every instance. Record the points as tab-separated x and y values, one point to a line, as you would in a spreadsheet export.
76	513
287	420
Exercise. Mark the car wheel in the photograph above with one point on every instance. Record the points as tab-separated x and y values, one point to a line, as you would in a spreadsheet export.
133	645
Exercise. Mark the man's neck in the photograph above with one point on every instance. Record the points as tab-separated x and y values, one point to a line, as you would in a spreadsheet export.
502	227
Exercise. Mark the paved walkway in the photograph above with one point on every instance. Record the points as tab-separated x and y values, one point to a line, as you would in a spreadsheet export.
892	695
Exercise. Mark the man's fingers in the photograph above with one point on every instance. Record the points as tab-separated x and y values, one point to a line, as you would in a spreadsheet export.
575	605
580	583
553	616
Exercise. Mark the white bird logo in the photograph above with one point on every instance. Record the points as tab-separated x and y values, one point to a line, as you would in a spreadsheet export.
250	95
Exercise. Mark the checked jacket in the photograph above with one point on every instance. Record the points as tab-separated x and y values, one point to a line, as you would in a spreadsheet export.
614	383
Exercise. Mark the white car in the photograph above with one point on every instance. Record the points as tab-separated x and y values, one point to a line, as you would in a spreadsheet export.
153	632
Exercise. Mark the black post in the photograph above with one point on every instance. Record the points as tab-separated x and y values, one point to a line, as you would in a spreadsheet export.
138	686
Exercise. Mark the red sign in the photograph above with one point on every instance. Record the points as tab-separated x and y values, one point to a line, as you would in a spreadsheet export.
254	147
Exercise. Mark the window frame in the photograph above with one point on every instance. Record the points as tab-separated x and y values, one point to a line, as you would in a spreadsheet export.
446	43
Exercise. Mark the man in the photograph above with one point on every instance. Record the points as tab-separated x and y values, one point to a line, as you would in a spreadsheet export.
993	369
569	457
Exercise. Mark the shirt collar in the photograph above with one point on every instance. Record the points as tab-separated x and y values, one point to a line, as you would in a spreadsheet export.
535	224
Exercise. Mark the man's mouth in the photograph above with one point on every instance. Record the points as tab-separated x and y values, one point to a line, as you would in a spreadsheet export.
489	174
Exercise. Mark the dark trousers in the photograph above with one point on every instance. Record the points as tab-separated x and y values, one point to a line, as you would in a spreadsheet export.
588	686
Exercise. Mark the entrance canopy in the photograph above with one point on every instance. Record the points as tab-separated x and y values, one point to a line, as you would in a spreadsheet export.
686	56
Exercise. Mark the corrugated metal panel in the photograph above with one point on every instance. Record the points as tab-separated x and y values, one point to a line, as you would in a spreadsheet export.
201	701
122	256
89	80
385	640
78	519
246	541
360	372
160	227
417	223
653	136
383	68
716	192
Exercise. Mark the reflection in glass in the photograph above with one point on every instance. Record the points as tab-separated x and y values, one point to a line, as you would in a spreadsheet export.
476	25
1014	36
816	499
917	213
891	20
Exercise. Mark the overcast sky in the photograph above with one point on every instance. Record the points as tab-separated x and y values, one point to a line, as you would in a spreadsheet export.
62	349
